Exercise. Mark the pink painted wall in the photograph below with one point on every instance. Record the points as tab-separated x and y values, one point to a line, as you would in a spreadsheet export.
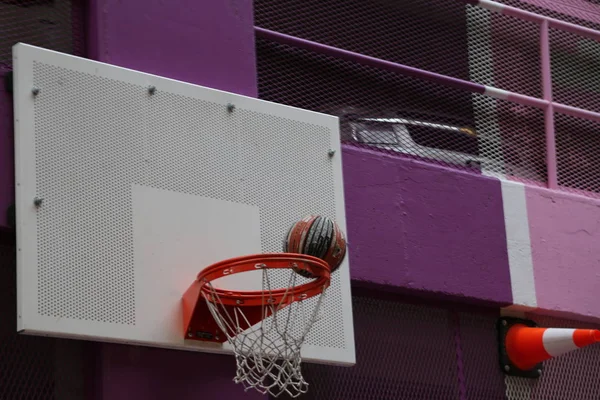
565	237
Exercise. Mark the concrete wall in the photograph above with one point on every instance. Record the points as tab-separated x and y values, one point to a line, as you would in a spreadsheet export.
429	231
205	42
565	230
422	228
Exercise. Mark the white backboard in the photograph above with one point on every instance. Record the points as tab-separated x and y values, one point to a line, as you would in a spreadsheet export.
142	189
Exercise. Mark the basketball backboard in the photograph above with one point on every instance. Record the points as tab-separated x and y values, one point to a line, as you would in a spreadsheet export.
128	184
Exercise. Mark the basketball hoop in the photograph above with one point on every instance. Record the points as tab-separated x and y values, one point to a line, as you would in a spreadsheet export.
266	328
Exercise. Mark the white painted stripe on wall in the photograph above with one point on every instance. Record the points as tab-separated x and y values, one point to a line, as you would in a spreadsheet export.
518	243
558	341
491	5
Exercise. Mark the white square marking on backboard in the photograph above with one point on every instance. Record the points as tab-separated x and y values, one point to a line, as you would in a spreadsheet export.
175	236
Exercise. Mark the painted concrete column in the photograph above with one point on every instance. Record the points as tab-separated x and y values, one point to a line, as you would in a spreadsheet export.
209	43
206	42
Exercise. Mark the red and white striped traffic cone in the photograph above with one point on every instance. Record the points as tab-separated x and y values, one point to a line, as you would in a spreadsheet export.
526	346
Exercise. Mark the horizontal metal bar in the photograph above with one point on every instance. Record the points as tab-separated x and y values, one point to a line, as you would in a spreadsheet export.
527	100
398	68
576	112
421	74
367	60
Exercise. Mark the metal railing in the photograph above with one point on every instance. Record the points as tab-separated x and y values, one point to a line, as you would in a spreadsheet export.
546	103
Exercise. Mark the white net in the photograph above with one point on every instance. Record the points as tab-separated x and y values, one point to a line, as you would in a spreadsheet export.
267	352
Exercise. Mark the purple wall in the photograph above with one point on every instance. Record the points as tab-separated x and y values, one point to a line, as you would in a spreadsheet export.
205	42
417	227
210	43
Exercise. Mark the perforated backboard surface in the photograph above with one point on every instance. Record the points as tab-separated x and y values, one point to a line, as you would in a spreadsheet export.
140	190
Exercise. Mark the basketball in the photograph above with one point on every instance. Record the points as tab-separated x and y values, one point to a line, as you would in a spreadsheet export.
317	236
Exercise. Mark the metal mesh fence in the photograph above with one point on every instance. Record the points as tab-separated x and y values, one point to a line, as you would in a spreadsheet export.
407	117
483	378
569	11
578	154
402	352
411	118
52	24
575	70
383	29
512	139
447	37
499	45
33	367
412	352
575	67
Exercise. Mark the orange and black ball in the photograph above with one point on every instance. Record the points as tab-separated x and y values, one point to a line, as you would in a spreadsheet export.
319	237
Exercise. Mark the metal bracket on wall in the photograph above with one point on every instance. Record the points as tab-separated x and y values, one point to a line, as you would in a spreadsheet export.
507	366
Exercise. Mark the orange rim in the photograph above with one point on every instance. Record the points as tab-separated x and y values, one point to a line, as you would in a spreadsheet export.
315	266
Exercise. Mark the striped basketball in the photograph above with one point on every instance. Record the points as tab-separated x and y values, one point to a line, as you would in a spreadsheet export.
319	237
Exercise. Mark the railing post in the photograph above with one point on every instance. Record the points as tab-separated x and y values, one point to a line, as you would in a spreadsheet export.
551	163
